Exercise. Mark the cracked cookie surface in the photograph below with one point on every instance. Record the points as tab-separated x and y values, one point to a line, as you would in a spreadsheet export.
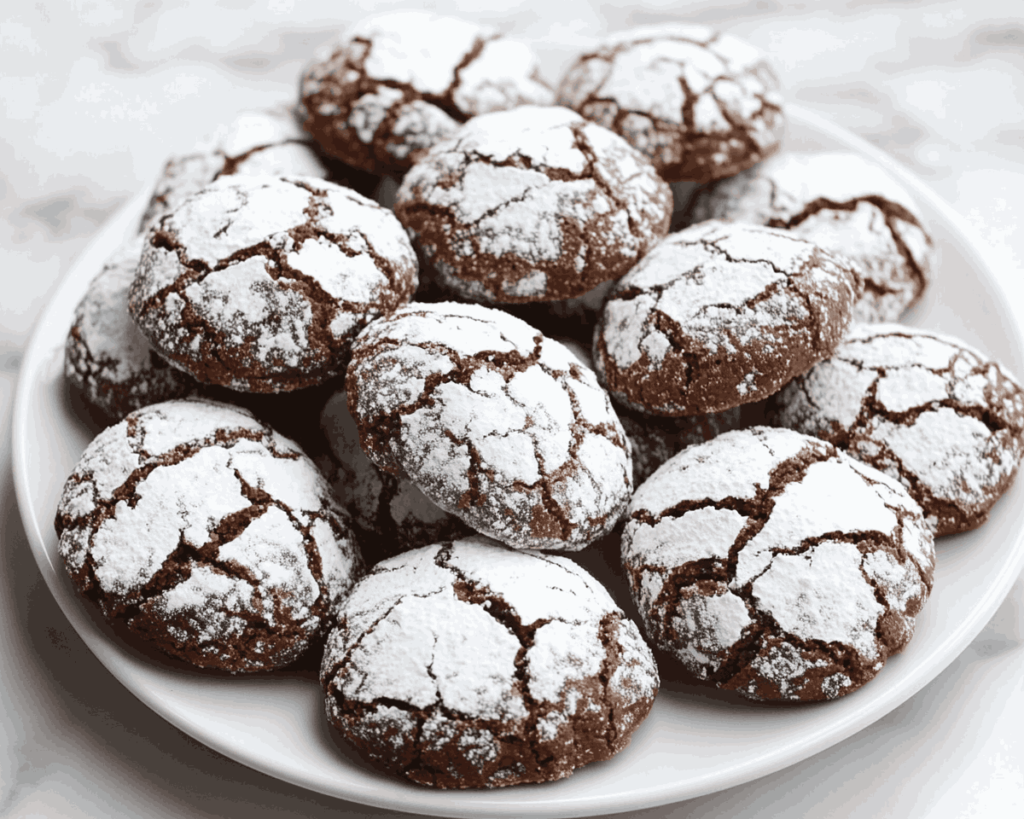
260	283
389	513
208	534
721	314
533	204
701	105
925	408
105	355
493	422
772	564
395	84
469	665
846	205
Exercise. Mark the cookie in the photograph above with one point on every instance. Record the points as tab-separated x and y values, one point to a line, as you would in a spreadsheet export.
843	203
772	564
260	283
719	315
395	84
208	534
701	105
495	423
468	665
388	513
105	355
928	410
533	204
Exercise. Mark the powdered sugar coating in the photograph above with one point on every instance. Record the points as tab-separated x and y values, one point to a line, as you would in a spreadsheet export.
390	514
260	283
106	356
772	564
699	104
253	143
720	315
925	408
494	422
464	664
395	84
532	204
208	533
843	203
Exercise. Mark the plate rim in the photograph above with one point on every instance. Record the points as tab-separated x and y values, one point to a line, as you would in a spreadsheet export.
466	803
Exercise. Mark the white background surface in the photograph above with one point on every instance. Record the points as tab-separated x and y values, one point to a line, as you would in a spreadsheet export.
96	95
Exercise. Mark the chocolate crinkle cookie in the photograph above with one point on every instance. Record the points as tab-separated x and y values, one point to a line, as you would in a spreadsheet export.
772	564
105	355
493	422
260	283
719	315
533	204
208	534
843	203
468	665
935	414
701	105
395	84
389	513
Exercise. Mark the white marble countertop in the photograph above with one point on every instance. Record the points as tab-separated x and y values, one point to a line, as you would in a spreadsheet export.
95	96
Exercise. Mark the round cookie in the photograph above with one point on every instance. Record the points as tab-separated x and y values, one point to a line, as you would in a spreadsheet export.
468	665
720	315
493	422
533	204
395	84
390	514
846	205
208	534
701	105
772	564
926	409
260	283
105	355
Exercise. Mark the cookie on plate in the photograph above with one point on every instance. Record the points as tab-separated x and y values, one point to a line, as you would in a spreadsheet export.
208	534
925	408
395	84
533	204
493	422
700	104
772	564
843	203
105	355
468	665
260	283
719	315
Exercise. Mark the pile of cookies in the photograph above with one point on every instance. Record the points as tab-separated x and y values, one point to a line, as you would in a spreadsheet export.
369	362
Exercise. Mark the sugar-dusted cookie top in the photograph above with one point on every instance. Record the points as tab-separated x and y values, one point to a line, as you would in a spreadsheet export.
772	564
843	203
494	422
721	314
207	533
394	84
533	204
106	356
925	408
699	104
468	665
260	283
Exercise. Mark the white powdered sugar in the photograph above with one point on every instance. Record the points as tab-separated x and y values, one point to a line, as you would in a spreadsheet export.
767	561
208	533
494	422
469	641
924	408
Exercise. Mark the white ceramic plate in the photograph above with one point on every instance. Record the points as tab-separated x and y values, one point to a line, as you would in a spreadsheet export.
693	743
